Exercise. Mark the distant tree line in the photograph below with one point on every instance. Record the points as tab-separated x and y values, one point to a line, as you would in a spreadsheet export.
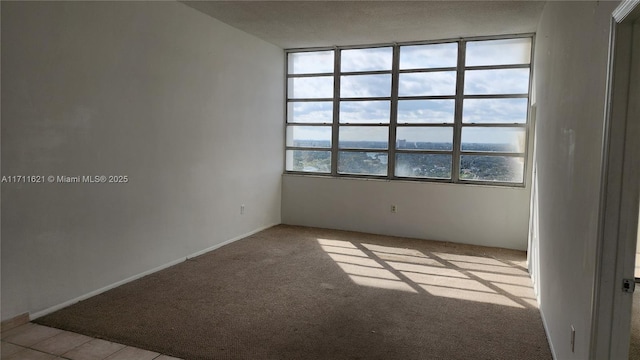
472	167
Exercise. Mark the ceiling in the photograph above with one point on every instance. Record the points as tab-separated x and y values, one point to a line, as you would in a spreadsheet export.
298	24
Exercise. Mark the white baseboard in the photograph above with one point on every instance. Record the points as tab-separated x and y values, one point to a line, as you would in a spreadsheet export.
103	289
217	246
544	321
546	331
142	274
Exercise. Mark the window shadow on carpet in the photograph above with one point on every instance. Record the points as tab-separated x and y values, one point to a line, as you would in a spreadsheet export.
293	292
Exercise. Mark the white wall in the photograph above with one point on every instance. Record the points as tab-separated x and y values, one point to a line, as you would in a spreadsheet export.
187	107
480	215
570	77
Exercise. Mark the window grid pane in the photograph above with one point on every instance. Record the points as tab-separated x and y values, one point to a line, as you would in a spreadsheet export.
313	62
363	163
424	138
498	52
310	112
428	56
363	137
492	145
309	136
365	112
492	168
423	166
308	161
359	86
495	111
316	87
496	81
493	139
427	83
368	59
426	111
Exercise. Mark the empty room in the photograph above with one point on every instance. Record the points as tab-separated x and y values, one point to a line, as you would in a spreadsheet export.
317	179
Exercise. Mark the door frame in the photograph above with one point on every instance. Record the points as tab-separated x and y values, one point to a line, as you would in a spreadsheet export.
619	192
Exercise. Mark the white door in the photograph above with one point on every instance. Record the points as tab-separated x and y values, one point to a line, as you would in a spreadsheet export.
620	196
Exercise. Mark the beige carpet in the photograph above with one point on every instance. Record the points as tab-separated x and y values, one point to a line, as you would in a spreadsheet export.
303	293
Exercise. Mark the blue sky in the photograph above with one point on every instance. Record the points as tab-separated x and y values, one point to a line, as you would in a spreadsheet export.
500	81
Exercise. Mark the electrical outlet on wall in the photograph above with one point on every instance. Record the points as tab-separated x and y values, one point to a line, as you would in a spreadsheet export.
394	208
242	209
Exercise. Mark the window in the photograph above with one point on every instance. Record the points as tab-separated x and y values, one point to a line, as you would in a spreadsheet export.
452	111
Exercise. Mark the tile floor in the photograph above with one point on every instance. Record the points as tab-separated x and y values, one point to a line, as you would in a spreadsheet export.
34	342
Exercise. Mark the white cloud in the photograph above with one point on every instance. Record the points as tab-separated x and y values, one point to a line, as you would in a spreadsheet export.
364	133
425	111
425	134
359	112
514	137
428	56
311	87
499	81
495	111
310	112
313	133
311	62
365	85
366	59
498	52
428	83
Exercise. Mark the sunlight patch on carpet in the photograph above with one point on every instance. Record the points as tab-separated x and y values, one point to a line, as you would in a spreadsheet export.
456	276
382	283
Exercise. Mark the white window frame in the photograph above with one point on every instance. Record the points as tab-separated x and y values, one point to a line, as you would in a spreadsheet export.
457	124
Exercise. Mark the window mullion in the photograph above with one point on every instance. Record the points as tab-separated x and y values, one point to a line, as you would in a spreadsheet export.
336	113
391	159
457	117
494	114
